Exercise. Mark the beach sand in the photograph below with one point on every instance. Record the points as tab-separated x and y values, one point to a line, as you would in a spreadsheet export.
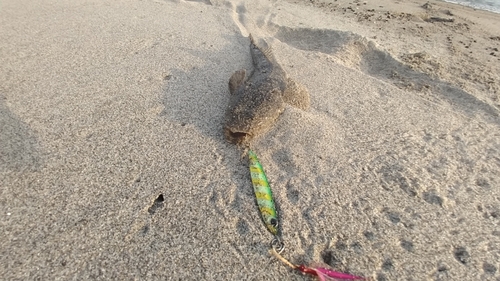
113	162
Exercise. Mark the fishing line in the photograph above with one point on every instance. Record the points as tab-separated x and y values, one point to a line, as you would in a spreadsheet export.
270	218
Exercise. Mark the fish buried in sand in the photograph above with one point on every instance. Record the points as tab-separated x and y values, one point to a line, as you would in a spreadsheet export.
257	100
263	194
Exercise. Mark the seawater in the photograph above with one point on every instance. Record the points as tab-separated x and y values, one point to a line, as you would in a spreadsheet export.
488	5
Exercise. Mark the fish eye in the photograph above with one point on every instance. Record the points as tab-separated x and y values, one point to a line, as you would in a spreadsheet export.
273	222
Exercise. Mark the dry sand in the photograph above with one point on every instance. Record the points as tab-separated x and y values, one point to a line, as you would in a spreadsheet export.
106	105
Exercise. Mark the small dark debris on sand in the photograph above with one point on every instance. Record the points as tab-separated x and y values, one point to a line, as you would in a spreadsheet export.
427	6
439	19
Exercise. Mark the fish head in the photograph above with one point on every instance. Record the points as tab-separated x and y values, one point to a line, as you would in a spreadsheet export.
251	114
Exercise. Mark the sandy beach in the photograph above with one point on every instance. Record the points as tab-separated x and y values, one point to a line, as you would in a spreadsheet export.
114	165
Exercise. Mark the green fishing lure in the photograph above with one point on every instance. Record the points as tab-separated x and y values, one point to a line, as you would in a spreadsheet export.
269	215
263	194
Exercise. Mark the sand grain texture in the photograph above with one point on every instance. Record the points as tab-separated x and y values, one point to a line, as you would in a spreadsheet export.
106	105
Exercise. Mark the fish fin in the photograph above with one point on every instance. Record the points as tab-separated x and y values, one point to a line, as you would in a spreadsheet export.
296	95
236	80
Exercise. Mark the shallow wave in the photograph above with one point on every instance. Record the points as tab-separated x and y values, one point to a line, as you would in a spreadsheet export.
488	5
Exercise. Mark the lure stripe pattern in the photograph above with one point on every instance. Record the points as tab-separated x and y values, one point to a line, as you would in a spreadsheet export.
263	194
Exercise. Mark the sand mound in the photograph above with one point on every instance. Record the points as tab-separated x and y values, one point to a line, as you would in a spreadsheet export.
355	51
